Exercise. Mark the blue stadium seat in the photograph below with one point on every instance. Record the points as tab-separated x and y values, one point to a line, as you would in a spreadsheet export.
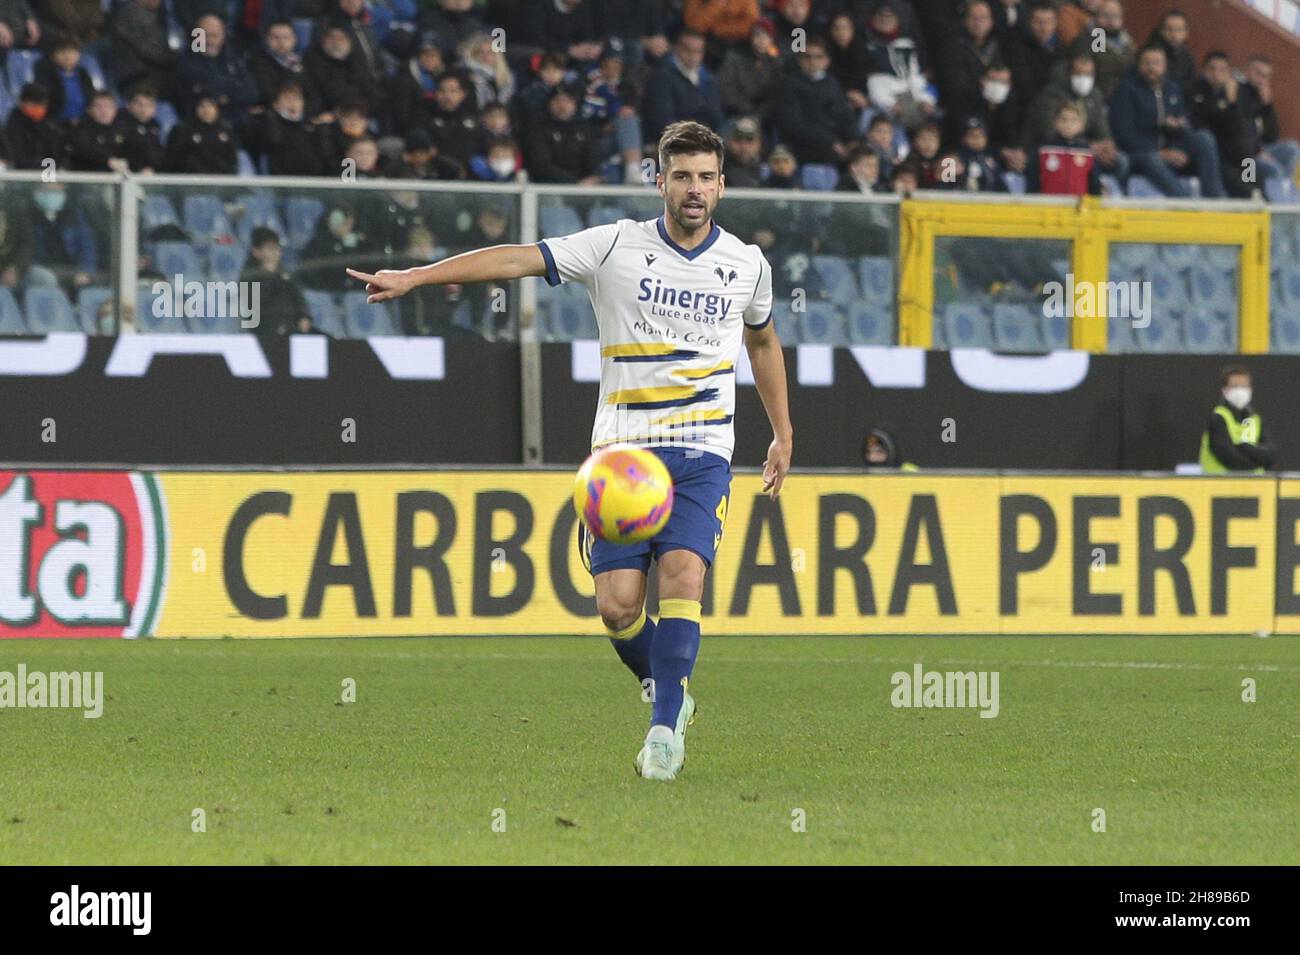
1281	240
145	318
1162	335
216	323
1138	256
363	320
1168	291
1203	332
1119	332
837	277
1211	288
244	165
1140	187
1192	185
1288	285
1110	185
7	103
178	258
1226	258
869	323
556	220
1017	328
325	313
1015	183
967	326
568	319
89	300
98	78
157	210
1284	332
1279	189
167	118
226	260
303	27
11	316
876	279
819	177
1179	256
20	69
1055	331
821	324
48	310
259	210
604	215
301	214
204	215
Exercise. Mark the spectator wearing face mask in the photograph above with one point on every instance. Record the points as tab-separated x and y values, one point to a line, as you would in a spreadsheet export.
965	57
1234	438
338	242
499	164
63	243
32	135
1075	82
812	114
1002	112
1119	53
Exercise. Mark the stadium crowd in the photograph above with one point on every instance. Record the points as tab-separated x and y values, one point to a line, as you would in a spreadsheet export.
867	95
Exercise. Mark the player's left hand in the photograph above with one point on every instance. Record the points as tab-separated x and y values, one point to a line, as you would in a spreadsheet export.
776	466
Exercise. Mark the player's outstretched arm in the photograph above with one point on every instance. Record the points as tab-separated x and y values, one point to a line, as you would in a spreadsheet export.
495	263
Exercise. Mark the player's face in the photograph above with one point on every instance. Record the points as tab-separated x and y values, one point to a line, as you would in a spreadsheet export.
691	186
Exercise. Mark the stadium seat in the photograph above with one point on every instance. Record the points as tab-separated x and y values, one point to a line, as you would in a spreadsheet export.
259	210
1284	332
244	165
1226	258
1162	335
1110	185
167	118
7	103
98	78
157	210
604	215
1279	189
1055	331
837	277
876	279
1015	183
1119	335
1140	187
226	261
48	310
203	214
568	320
303	27
20	69
301	213
869	323
1289	285
1179	256
89	300
178	258
1137	256
1168	291
362	320
967	326
1017	328
216	324
556	219
1203	332
818	177
1192	185
11	316
1211	288
325	313
145	318
821	324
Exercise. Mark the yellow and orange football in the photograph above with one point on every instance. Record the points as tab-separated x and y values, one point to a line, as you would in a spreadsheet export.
623	494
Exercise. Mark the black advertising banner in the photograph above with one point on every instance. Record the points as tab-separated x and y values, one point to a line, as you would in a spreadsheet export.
239	399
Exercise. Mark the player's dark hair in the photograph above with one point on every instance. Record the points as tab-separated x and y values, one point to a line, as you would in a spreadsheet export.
1229	371
687	137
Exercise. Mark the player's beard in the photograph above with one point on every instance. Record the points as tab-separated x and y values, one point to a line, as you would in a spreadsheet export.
691	226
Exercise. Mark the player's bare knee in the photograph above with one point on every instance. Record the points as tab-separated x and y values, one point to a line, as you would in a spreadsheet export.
617	611
682	577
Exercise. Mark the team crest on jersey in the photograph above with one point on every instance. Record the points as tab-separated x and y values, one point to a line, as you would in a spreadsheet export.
725	278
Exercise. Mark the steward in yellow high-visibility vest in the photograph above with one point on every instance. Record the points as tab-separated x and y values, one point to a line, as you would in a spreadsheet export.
1234	439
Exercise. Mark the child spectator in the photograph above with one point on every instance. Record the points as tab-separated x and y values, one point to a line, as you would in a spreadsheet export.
782	169
880	137
99	141
926	163
32	134
501	162
144	146
979	169
204	143
283	307
278	62
67	81
1065	164
863	173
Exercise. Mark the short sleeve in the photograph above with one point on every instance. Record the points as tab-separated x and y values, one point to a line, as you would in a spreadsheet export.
576	257
759	310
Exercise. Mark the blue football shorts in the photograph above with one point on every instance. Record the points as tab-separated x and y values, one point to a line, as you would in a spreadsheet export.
701	485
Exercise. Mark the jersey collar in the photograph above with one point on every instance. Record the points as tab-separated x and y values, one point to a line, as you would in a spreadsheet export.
689	254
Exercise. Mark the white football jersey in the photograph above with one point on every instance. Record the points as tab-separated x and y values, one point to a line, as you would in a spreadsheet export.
671	326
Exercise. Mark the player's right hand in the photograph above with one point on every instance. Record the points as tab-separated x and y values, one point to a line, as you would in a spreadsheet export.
384	284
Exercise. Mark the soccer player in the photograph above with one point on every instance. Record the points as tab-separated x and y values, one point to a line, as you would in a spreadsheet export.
674	297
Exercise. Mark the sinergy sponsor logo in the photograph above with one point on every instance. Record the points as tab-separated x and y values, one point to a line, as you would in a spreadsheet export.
75	907
55	690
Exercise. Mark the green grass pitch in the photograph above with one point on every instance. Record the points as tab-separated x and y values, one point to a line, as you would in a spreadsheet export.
445	734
